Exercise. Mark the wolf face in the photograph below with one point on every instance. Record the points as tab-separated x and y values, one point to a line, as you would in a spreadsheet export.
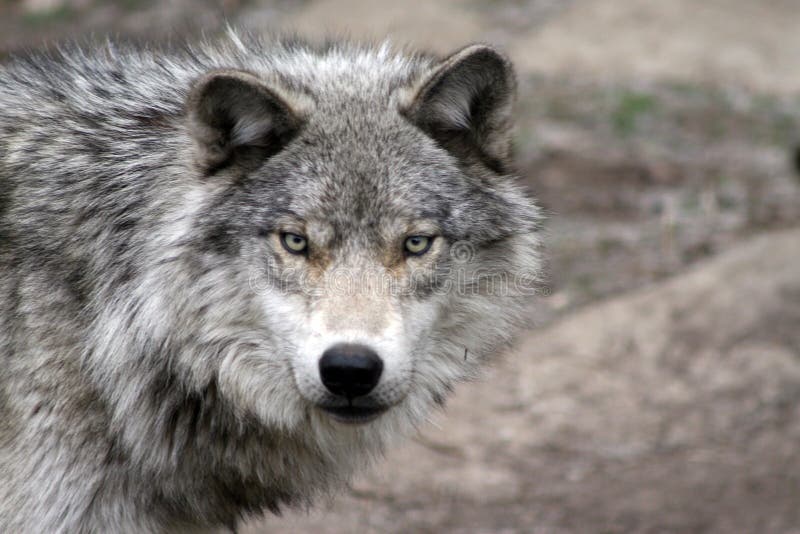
344	208
247	266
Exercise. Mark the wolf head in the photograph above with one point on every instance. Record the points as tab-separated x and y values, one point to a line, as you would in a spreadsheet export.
362	202
342	244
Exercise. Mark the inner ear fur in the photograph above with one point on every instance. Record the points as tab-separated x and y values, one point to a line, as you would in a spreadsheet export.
235	118
465	103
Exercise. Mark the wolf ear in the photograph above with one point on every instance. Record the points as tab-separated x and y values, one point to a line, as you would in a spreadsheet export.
465	103
236	119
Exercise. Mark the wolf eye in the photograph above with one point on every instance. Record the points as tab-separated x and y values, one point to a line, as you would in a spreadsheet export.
417	245
293	243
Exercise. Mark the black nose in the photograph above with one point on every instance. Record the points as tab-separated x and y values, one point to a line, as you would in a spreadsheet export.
350	370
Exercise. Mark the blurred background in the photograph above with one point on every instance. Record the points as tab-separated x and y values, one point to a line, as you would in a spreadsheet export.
660	391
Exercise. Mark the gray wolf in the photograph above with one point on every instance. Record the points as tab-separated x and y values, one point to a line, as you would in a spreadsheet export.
233	273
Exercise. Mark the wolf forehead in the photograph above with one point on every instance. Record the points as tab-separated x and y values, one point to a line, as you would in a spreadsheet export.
359	133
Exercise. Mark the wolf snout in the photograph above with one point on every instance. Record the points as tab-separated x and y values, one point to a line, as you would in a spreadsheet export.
350	370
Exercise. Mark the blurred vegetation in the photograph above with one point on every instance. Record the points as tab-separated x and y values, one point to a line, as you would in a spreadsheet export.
631	107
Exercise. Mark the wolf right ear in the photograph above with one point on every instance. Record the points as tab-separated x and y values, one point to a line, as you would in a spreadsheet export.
465	104
235	118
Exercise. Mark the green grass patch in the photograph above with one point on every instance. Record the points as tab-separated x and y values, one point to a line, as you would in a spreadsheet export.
58	14
629	111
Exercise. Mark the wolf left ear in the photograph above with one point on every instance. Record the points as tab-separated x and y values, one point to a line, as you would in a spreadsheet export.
465	103
235	118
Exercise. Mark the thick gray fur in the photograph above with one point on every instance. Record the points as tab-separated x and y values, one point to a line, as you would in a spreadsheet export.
152	335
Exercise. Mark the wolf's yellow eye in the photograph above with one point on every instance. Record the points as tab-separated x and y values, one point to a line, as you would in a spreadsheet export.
417	245
296	244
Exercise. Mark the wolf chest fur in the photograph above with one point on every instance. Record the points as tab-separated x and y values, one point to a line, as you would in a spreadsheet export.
231	274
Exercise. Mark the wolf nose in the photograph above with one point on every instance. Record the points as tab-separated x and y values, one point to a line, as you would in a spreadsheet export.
350	370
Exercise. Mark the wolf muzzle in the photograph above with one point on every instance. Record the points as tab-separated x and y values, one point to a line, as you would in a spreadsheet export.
349	370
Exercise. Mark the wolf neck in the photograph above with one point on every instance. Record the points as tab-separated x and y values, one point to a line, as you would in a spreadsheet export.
226	471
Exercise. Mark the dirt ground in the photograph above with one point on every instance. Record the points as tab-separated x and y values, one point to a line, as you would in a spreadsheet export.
661	390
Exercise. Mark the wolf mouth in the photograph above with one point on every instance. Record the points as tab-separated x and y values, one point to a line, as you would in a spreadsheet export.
354	415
